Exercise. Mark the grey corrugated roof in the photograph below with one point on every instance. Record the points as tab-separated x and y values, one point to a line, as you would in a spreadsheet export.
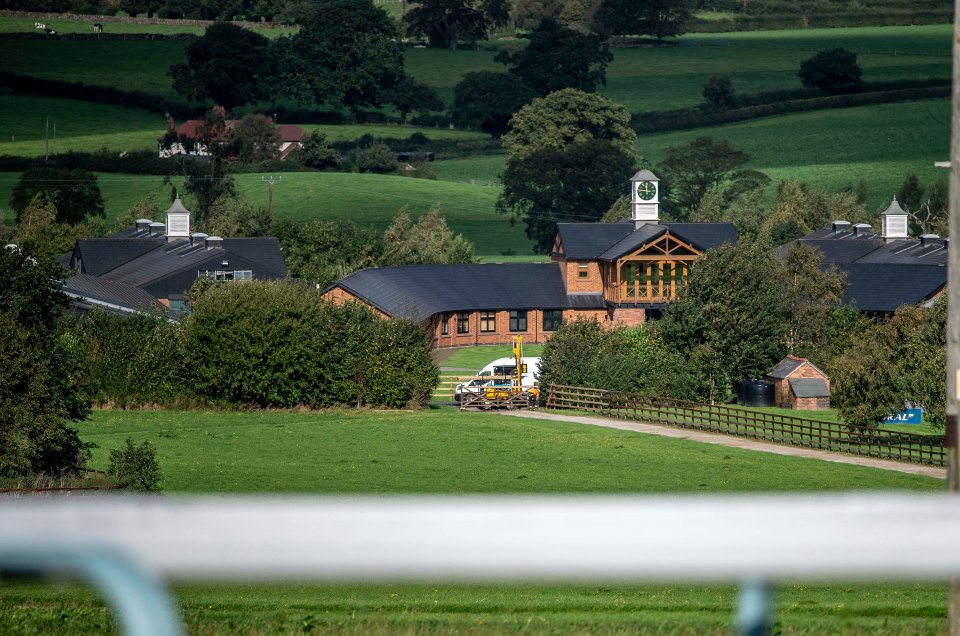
908	252
157	264
809	387
836	252
704	236
105	291
633	241
884	287
785	367
100	255
590	240
844	235
264	251
419	291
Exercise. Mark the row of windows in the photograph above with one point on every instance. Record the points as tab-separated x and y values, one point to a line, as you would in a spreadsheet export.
488	321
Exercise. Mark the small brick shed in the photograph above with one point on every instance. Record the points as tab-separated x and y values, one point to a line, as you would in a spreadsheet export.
799	384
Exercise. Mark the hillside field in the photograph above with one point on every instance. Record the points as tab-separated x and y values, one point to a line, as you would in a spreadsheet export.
444	451
640	79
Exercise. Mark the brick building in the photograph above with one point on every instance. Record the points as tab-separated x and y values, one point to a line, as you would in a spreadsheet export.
800	384
616	273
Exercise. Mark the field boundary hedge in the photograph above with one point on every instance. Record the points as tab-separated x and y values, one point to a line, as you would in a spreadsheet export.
665	121
822	21
11	13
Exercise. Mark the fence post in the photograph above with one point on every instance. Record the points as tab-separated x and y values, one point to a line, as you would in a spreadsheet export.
754	609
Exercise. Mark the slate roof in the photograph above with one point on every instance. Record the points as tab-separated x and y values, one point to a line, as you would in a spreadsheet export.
704	236
837	252
785	367
589	240
101	291
633	241
609	241
909	252
100	255
883	287
809	387
419	291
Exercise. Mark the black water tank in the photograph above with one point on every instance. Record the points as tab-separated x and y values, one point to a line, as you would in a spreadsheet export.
752	392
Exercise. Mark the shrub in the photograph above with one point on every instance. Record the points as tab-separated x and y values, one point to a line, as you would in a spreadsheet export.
718	90
374	158
135	467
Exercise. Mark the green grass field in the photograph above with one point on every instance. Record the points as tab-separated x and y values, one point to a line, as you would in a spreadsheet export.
479	357
13	24
443	451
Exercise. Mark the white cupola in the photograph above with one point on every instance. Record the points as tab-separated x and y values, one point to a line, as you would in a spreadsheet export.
893	222
178	220
645	198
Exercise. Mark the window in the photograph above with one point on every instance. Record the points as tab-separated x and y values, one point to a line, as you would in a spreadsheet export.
518	320
583	270
221	274
552	319
463	322
488	321
445	325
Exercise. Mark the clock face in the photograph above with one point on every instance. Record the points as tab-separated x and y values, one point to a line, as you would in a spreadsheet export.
646	190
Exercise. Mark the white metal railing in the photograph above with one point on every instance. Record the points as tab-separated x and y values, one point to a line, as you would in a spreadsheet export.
735	538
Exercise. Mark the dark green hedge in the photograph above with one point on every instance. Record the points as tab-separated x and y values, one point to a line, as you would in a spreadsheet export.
699	118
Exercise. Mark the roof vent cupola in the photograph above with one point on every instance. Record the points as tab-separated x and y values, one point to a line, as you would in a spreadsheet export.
645	198
178	220
893	221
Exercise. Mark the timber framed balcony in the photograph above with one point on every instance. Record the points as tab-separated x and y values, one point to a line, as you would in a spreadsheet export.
652	275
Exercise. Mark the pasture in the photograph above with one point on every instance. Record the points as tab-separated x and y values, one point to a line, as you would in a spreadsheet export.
443	451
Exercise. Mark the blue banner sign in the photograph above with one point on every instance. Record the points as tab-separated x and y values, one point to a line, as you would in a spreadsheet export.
907	416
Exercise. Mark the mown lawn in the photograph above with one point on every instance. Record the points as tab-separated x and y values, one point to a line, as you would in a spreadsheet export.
479	357
443	451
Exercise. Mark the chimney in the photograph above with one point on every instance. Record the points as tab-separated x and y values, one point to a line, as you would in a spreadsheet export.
928	239
198	238
859	229
142	225
178	220
156	229
893	222
841	226
645	198
946	243
214	242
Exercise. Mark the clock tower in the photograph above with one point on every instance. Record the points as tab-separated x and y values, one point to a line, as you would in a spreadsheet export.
645	198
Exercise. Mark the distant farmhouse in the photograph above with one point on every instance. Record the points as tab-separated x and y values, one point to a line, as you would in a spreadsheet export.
886	270
151	265
617	273
186	139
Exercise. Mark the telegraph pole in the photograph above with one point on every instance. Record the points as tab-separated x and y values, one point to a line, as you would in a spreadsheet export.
271	180
953	315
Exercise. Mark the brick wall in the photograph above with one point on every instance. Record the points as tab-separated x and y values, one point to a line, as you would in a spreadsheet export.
812	403
592	282
339	296
628	317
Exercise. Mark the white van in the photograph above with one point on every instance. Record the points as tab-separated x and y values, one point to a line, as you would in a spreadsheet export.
499	373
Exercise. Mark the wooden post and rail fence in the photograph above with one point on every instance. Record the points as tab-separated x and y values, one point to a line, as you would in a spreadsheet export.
769	427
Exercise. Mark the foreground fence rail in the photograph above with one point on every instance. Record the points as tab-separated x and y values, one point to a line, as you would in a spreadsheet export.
769	427
128	545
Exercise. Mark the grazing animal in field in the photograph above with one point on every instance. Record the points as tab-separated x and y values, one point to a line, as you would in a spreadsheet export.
50	31
39	25
98	28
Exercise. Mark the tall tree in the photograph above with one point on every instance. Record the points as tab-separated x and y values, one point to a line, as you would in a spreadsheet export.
659	18
910	193
227	64
690	171
74	193
39	392
558	57
578	182
427	241
728	319
445	23
810	293
832	71
208	182
254	138
488	100
565	117
345	55
408	94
